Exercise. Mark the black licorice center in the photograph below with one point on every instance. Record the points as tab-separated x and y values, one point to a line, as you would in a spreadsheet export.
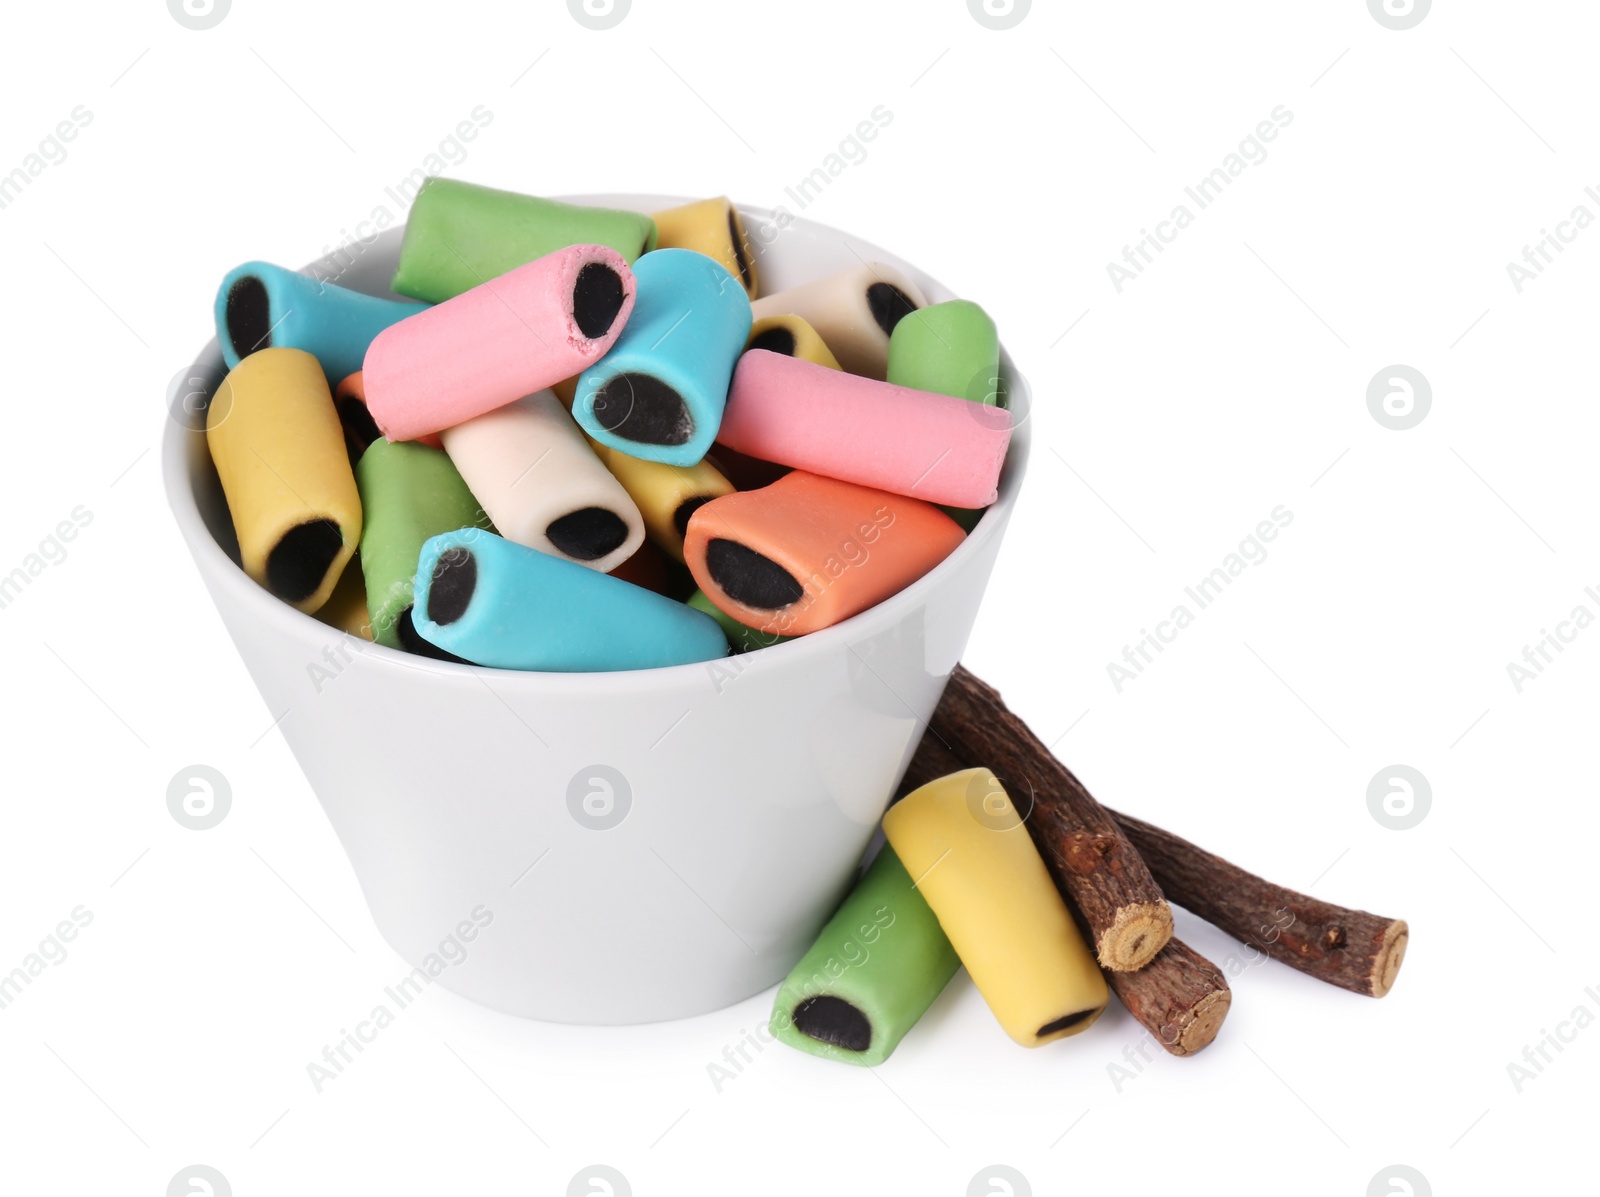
777	339
299	562
833	1020
685	510
596	299
640	407
747	577
455	577
1061	1024
249	316
360	428
889	305
588	533
740	258
411	640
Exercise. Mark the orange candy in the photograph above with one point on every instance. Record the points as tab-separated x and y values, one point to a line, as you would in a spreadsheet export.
808	552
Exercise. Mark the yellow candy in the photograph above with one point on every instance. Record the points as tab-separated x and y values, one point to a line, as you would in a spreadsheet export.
711	227
666	495
794	336
346	608
279	450
972	859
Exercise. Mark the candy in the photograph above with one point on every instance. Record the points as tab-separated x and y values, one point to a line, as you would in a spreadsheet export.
873	972
711	227
976	866
497	603
791	336
916	443
741	639
509	337
260	305
950	348
460	235
807	551
659	393
953	349
279	452
409	493
350	402
854	311
665	495
542	485
346	608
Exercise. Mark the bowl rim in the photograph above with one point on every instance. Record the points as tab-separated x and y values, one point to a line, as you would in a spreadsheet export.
219	568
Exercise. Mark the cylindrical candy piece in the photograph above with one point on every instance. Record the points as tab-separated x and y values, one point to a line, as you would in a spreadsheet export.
873	972
659	393
665	495
975	864
950	348
350	401
808	552
543	486
279	451
741	639
460	235
260	305
916	443
712	227
854	310
791	336
509	337
493	602
346	608
409	493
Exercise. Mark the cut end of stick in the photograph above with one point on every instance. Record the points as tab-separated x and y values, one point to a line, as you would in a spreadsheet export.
1136	934
1391	952
1203	1023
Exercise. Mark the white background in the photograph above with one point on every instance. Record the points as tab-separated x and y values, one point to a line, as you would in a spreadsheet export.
1227	379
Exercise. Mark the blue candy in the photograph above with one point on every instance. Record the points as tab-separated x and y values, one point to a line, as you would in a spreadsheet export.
659	393
261	305
493	602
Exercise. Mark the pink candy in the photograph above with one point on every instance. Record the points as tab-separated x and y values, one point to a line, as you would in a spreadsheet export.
793	412
508	337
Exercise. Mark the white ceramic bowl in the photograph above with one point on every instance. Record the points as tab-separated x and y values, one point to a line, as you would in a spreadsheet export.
637	846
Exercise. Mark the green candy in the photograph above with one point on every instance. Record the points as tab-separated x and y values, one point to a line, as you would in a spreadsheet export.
951	349
741	638
409	494
874	970
459	235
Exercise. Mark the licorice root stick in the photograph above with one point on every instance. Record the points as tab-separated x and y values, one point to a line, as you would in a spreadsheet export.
1352	949
1092	861
1180	997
